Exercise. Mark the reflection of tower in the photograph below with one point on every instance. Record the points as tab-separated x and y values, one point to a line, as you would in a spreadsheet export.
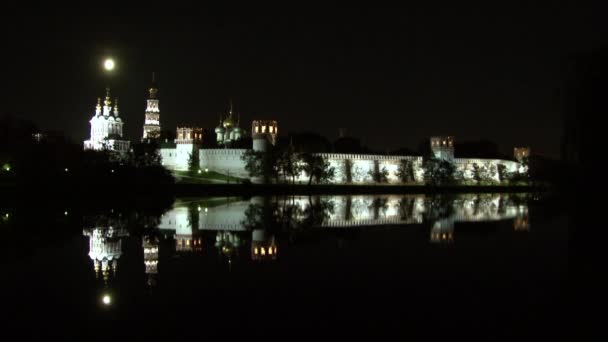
188	243
443	147
105	249
262	247
521	222
150	246
442	231
227	244
152	119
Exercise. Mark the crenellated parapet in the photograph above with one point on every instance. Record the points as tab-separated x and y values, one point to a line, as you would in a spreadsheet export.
189	135
443	147
264	132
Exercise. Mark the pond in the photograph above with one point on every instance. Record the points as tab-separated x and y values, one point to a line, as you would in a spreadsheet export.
339	263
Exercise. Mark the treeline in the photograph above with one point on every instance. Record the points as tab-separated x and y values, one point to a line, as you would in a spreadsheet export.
31	158
282	164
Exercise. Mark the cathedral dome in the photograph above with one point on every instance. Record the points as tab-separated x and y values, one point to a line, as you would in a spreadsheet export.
228	122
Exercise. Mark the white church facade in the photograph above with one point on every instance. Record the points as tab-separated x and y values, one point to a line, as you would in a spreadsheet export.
106	128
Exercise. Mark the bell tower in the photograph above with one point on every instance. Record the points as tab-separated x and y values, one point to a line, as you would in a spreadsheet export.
152	120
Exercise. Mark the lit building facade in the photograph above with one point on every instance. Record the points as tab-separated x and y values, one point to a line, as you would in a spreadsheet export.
152	119
186	146
106	128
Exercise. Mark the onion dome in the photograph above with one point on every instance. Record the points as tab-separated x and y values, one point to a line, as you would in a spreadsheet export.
229	122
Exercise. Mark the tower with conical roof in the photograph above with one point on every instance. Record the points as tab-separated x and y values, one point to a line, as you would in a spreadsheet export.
152	119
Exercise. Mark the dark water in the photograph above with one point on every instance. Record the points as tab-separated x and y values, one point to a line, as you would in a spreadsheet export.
492	265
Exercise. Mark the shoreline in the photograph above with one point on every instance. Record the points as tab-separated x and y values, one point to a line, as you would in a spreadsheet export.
177	190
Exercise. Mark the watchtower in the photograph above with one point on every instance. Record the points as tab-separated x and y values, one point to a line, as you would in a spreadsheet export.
263	132
443	147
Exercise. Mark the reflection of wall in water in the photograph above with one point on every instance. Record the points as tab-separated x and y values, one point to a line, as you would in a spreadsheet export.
348	211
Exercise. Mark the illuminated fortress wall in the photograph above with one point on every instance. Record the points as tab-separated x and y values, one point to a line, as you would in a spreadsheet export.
362	167
467	166
348	168
225	161
228	161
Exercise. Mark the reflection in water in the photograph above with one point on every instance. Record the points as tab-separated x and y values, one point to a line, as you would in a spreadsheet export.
261	222
105	248
263	246
150	246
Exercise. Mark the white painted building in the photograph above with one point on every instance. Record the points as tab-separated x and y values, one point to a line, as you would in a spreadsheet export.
106	128
152	118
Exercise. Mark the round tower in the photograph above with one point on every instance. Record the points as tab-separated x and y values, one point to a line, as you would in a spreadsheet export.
443	147
263	132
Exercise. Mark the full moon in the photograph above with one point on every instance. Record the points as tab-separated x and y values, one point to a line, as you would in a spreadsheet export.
108	64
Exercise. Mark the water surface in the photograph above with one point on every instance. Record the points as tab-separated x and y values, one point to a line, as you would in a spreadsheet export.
479	261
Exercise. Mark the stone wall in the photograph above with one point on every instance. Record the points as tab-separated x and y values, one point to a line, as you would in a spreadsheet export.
228	161
224	161
363	166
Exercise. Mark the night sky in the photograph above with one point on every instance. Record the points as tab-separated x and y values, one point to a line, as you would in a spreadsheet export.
390	77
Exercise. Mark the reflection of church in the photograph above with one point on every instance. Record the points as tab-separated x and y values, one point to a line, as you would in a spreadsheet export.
105	248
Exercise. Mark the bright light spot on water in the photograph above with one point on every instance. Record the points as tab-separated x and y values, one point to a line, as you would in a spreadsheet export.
106	299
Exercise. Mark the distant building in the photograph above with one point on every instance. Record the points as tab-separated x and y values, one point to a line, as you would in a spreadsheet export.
106	128
264	132
187	144
521	153
152	119
443	147
228	130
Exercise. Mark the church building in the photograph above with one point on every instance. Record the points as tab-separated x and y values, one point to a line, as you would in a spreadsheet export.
106	128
